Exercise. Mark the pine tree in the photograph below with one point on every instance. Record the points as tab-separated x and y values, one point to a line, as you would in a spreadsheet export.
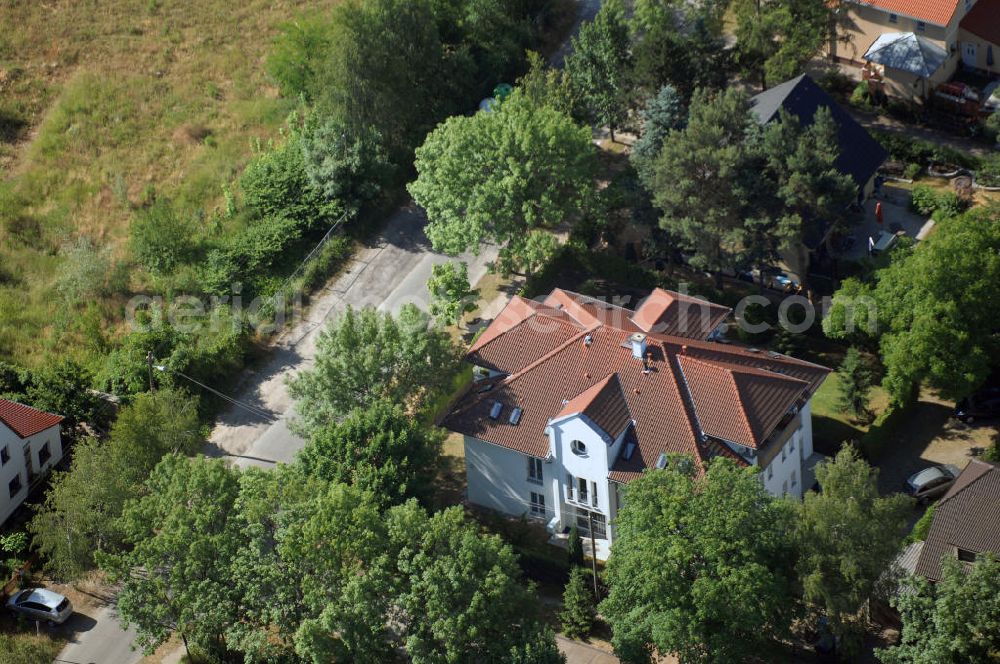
578	612
855	383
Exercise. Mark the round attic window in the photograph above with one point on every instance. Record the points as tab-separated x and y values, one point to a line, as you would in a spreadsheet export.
578	448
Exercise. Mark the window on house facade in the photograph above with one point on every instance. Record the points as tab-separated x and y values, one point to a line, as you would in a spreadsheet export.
770	471
893	18
535	470
583	521
43	453
966	556
791	445
570	487
15	486
578	448
537	504
4	455
921	26
794	479
783	452
582	489
593	494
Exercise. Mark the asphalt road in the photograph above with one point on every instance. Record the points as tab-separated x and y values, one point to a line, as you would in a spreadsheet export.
98	640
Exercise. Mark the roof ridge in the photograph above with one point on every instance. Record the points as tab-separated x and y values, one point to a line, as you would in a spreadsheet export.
687	401
550	354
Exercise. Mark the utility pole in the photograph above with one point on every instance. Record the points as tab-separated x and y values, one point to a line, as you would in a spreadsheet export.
149	366
593	553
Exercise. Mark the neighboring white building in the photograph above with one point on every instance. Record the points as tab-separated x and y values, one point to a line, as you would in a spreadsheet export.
30	445
575	397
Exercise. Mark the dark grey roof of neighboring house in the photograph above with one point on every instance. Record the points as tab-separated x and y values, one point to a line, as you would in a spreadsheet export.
968	518
860	154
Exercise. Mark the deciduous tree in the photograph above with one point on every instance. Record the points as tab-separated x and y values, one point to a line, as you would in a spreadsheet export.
181	536
496	176
451	294
378	448
935	308
724	562
847	536
952	622
365	355
600	66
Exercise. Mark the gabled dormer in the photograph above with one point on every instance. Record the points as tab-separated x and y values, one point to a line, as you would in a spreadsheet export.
588	430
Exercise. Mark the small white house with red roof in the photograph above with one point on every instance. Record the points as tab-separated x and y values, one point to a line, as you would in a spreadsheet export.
30	444
574	398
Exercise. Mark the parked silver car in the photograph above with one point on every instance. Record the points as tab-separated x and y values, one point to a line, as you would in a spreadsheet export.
931	483
40	604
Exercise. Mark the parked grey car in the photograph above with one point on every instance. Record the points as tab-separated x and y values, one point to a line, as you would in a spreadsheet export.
41	604
931	483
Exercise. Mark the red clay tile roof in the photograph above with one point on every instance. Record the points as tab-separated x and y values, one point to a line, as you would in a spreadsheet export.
666	413
938	12
665	312
736	403
604	404
24	420
968	517
983	20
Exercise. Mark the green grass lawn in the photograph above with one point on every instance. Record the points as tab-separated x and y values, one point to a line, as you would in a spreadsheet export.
832	426
26	648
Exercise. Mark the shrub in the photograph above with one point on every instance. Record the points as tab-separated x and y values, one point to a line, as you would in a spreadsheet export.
922	527
923	199
326	263
861	96
948	205
159	238
989	171
912	171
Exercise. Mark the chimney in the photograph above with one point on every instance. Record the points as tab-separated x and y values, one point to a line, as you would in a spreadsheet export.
638	341
684	349
647	362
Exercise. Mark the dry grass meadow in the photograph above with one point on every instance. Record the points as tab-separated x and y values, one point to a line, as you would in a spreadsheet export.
102	104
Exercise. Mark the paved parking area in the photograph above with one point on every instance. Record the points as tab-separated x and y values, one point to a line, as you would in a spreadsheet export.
896	214
931	437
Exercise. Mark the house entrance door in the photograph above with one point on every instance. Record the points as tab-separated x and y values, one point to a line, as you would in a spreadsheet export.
969	54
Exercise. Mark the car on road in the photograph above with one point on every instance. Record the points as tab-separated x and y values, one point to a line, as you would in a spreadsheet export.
983	405
40	604
931	483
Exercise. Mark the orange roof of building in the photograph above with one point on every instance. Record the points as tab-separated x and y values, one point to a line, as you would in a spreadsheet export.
603	404
983	20
24	420
679	315
938	12
594	371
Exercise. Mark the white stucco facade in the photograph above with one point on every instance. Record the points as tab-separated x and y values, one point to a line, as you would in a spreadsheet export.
21	460
574	475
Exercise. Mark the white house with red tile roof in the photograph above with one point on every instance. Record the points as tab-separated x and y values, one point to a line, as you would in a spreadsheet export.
30	444
575	397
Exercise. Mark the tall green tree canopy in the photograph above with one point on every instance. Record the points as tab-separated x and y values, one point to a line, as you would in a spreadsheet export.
365	355
936	308
703	566
496	175
706	177
181	537
81	510
600	66
378	448
847	535
955	621
662	114
680	44
775	38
